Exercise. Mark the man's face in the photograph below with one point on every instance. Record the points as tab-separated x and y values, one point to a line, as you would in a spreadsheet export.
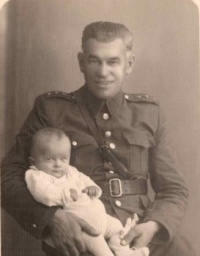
105	65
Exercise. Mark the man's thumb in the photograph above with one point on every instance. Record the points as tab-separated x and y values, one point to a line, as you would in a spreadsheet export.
87	228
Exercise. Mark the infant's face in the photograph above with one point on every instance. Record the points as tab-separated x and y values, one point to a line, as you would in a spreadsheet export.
54	157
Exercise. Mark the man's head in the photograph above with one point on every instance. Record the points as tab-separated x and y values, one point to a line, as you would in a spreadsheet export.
105	32
106	58
50	151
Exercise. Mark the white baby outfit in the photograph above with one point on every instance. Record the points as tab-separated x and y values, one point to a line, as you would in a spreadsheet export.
52	191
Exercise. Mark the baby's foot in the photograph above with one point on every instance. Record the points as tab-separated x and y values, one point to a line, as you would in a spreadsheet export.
130	223
144	251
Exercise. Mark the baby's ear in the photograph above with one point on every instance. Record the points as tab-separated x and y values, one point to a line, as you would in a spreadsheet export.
31	160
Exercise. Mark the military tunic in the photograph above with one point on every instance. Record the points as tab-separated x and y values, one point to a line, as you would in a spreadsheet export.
132	126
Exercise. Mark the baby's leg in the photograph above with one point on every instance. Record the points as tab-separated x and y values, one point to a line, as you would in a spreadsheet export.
112	233
119	250
97	246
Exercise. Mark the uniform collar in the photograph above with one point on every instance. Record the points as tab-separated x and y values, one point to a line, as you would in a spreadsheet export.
95	105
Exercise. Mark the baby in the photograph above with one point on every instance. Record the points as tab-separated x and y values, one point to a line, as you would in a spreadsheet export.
52	181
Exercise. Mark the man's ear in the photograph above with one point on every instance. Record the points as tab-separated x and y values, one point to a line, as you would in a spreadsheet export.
130	64
80	57
31	160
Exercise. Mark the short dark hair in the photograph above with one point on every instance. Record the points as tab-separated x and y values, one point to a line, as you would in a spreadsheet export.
105	31
45	133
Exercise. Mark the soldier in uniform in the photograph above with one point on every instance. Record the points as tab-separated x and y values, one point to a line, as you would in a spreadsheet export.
120	140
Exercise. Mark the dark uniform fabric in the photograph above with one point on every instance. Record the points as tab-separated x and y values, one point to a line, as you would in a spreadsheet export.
133	127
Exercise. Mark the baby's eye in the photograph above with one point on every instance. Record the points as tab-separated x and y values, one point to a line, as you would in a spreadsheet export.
64	159
49	159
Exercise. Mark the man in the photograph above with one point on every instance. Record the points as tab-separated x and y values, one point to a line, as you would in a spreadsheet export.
118	139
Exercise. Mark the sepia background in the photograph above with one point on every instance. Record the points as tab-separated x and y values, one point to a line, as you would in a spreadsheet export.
39	41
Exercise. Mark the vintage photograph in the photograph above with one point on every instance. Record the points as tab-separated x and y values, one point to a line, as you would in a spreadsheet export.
100	128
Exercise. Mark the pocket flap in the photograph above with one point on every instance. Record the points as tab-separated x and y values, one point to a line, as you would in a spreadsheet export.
143	139
145	201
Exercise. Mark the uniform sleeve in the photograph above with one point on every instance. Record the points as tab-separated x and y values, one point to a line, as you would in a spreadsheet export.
43	189
170	189
16	199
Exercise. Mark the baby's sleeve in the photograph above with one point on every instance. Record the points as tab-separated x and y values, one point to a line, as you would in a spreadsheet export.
85	180
43	189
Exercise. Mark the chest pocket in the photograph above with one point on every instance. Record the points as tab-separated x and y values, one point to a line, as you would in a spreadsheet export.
139	144
84	152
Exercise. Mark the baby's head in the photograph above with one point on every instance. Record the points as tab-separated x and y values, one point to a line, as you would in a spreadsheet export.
50	151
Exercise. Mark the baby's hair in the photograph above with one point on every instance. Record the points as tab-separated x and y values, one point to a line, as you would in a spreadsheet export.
105	31
45	134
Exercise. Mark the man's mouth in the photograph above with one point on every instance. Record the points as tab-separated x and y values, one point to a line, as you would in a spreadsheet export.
103	83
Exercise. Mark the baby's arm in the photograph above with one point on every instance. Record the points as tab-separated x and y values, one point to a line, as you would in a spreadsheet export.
43	190
90	187
92	191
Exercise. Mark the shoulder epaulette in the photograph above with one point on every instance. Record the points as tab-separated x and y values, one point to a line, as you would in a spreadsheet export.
58	94
140	97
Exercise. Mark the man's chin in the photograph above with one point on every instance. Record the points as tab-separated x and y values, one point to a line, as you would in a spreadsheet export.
104	94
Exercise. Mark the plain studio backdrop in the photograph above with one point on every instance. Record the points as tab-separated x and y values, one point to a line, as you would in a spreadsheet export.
39	42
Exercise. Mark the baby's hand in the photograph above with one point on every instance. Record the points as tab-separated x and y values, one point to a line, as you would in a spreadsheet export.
91	191
73	194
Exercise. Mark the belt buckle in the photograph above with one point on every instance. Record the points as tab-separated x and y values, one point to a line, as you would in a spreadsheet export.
120	187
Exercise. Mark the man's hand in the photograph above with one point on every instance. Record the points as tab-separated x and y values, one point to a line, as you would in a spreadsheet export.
66	232
91	191
141	234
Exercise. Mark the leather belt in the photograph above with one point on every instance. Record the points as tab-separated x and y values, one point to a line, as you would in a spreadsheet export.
117	187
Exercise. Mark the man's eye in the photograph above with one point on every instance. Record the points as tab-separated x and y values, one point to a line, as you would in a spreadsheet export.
64	159
92	61
113	62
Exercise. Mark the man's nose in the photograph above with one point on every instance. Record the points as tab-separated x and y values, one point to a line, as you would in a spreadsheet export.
103	70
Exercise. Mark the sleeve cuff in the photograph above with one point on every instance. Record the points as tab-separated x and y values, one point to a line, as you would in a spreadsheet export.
164	235
40	230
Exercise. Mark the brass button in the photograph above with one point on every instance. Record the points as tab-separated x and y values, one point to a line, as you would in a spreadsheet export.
118	203
126	96
112	145
105	116
34	226
74	143
107	134
110	171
